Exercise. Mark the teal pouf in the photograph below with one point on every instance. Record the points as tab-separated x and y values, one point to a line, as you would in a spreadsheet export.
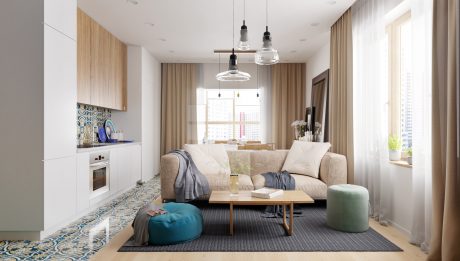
347	208
182	223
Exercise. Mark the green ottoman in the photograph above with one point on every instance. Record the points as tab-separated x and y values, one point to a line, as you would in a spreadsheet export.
182	223
347	208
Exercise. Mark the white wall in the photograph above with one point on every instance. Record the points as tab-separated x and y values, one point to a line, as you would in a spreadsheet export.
151	115
21	115
317	64
130	120
142	121
400	214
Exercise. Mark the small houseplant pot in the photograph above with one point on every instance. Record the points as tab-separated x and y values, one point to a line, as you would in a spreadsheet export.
409	160
395	155
394	147
408	152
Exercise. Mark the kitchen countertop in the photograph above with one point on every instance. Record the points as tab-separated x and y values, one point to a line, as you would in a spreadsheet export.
107	146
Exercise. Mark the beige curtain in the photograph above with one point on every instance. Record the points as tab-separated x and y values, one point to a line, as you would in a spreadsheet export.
341	91
178	106
288	101
445	130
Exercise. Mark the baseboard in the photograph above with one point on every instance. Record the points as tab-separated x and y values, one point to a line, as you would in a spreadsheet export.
400	228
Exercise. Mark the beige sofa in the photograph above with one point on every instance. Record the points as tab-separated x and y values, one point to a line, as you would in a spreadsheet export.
250	164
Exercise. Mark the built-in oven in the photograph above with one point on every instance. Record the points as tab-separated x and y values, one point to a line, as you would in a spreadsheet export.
99	173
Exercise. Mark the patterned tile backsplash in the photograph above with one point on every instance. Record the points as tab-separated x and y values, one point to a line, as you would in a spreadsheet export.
92	116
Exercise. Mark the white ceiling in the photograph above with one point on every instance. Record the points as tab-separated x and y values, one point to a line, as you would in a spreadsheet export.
189	31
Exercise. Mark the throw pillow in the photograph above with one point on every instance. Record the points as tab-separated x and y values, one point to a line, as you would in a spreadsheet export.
210	159
304	158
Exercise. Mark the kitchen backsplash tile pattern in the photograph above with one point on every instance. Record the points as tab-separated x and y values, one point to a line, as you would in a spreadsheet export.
91	115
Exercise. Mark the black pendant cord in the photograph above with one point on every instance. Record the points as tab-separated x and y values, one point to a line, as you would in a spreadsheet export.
244	10
233	26
266	13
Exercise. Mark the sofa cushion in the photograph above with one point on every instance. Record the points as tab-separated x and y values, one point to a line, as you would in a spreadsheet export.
267	161
222	182
210	159
245	182
304	158
315	188
240	161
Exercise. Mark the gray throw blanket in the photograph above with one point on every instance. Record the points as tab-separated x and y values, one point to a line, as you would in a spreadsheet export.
141	224
190	182
279	180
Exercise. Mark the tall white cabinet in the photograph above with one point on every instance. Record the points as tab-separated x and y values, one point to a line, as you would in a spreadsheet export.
142	120
38	115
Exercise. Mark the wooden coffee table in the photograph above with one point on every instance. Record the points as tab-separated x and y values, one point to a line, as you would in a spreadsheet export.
289	198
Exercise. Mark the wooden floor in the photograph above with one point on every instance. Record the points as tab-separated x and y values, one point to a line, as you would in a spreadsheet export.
410	252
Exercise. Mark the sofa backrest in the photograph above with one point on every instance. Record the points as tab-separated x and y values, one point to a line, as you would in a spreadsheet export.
254	162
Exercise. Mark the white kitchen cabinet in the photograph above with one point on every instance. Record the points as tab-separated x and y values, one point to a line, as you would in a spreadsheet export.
126	166
39	76
123	167
60	95
62	15
136	161
59	191
82	182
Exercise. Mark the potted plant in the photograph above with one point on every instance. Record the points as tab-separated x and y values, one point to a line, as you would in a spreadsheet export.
394	147
409	155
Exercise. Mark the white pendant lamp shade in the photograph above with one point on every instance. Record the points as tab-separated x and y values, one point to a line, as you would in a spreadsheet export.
267	55
243	44
233	74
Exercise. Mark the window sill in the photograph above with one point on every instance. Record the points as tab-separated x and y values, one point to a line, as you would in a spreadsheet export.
401	163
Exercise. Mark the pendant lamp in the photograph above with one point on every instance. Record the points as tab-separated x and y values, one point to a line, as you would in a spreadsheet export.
267	55
244	44
233	74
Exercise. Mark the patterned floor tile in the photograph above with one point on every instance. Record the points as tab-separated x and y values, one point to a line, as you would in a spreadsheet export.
83	238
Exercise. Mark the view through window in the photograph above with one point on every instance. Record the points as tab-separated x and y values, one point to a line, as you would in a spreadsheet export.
234	115
399	48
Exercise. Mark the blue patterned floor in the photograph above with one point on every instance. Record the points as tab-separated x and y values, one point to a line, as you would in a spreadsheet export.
83	238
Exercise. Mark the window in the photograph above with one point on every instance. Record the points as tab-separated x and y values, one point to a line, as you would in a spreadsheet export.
400	78
235	115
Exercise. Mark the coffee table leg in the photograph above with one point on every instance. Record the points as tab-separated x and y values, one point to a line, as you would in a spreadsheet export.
231	219
284	214
289	227
291	219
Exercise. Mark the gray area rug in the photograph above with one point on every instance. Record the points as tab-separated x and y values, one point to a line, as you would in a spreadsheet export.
254	233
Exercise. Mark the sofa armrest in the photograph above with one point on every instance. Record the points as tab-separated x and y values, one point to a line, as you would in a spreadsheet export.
333	169
169	169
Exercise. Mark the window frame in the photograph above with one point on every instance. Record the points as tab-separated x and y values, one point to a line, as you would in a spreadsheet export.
234	123
393	30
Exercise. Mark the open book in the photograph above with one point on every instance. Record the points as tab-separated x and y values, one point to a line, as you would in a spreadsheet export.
266	193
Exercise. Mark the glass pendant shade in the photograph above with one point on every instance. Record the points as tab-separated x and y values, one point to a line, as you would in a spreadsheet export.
233	74
267	54
243	44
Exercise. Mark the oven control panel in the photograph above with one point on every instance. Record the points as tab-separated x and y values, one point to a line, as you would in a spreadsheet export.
99	157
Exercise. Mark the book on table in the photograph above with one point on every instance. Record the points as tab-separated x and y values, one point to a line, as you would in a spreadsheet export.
266	193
